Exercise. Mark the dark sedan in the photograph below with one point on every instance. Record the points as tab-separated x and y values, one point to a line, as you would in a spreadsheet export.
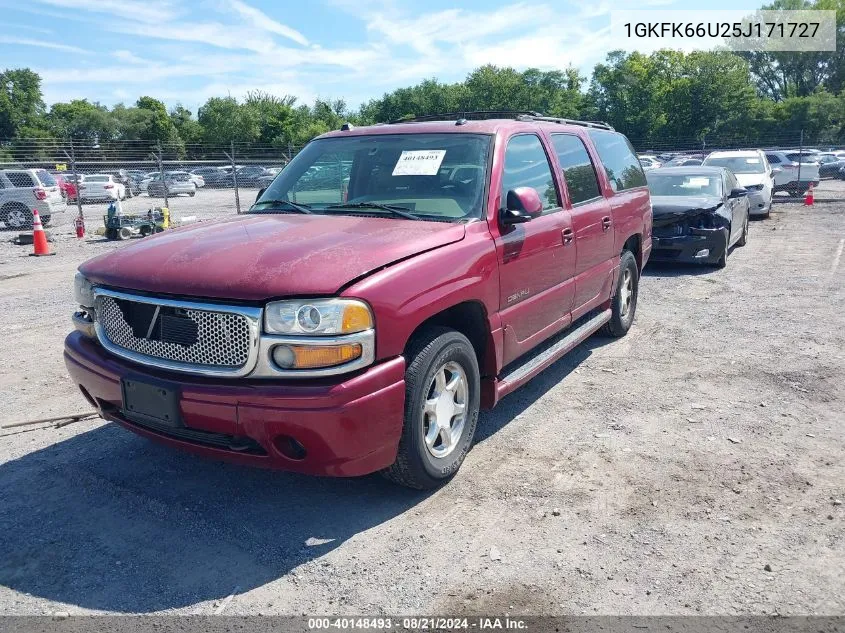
830	165
699	214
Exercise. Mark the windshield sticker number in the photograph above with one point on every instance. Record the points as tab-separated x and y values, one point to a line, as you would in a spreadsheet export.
419	162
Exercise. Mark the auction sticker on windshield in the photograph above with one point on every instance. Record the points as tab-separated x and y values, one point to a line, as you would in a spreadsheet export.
419	162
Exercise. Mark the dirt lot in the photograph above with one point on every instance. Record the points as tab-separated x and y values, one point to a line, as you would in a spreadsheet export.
693	467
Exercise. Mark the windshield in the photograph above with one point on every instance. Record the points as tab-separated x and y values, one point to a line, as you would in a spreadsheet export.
684	185
738	164
434	176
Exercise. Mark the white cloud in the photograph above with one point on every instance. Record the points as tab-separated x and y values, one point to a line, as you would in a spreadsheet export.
151	11
260	20
130	58
10	26
23	41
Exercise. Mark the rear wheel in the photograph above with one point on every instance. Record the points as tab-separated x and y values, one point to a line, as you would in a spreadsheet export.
192	193
442	396
623	305
16	216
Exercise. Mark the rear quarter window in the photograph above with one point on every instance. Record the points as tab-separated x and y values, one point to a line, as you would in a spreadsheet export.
20	179
621	165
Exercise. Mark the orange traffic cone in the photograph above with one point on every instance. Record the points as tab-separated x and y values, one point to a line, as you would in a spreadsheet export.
808	197
39	238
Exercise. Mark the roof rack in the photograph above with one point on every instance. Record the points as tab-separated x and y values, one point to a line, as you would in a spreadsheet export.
519	115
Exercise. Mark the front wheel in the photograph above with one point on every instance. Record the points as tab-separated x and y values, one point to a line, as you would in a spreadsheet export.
442	396
743	239
192	193
623	305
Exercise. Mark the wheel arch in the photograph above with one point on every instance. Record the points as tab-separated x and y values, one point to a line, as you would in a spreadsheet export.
470	319
634	244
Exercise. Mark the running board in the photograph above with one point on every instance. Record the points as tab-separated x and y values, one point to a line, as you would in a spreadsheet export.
547	354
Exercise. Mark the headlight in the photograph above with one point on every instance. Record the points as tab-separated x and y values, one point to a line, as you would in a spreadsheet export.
317	317
83	291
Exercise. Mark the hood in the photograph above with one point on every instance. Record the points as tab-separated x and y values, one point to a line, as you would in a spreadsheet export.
257	257
669	209
751	179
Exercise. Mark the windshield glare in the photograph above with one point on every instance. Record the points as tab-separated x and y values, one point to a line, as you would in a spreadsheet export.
687	185
738	164
434	176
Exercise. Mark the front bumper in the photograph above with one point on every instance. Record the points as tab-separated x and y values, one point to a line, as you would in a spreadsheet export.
759	202
684	248
347	426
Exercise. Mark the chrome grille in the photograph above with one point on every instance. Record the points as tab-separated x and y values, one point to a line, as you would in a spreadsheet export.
182	335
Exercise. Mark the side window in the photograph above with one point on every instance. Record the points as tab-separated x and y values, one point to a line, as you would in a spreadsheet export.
526	165
772	158
621	164
20	179
578	169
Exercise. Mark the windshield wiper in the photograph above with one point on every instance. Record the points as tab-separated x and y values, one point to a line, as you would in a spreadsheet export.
404	212
298	207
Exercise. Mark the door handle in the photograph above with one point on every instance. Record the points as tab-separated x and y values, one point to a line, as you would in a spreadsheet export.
567	236
605	223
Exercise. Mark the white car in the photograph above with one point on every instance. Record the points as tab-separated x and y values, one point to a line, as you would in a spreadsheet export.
101	187
649	162
753	172
174	182
198	180
790	164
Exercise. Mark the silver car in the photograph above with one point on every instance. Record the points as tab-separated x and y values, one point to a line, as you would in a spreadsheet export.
22	190
176	182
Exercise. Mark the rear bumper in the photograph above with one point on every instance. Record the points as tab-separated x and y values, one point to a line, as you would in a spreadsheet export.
684	248
347	428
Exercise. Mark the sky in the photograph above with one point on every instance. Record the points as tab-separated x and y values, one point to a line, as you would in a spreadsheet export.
185	51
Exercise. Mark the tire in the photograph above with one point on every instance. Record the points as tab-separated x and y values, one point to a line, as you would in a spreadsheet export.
46	219
723	259
743	239
124	233
623	309
437	357
192	193
17	216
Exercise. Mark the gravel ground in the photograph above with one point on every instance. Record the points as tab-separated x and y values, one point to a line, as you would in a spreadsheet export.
693	467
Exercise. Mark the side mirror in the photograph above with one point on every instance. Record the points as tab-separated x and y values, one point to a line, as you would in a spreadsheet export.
523	204
775	170
260	193
739	192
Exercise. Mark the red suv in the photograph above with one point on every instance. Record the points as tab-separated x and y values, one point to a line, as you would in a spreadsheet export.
389	283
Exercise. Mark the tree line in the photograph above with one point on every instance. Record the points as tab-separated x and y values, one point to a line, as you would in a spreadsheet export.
667	97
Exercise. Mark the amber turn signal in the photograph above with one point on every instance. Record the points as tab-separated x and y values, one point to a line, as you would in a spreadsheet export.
315	356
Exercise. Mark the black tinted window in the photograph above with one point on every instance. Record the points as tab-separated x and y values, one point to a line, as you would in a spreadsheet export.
772	158
20	179
578	170
526	165
46	178
622	166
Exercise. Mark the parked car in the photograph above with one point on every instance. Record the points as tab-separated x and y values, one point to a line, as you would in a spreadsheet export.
649	162
249	175
66	185
699	214
753	172
683	161
96	187
263	182
25	190
214	177
175	182
797	171
830	164
198	180
424	296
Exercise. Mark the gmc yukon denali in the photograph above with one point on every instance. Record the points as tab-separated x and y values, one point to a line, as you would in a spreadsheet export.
390	282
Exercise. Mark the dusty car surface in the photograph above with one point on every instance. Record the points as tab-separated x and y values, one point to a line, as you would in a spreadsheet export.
389	283
699	214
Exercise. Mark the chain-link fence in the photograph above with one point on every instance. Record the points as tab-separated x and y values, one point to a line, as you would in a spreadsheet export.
81	179
201	181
